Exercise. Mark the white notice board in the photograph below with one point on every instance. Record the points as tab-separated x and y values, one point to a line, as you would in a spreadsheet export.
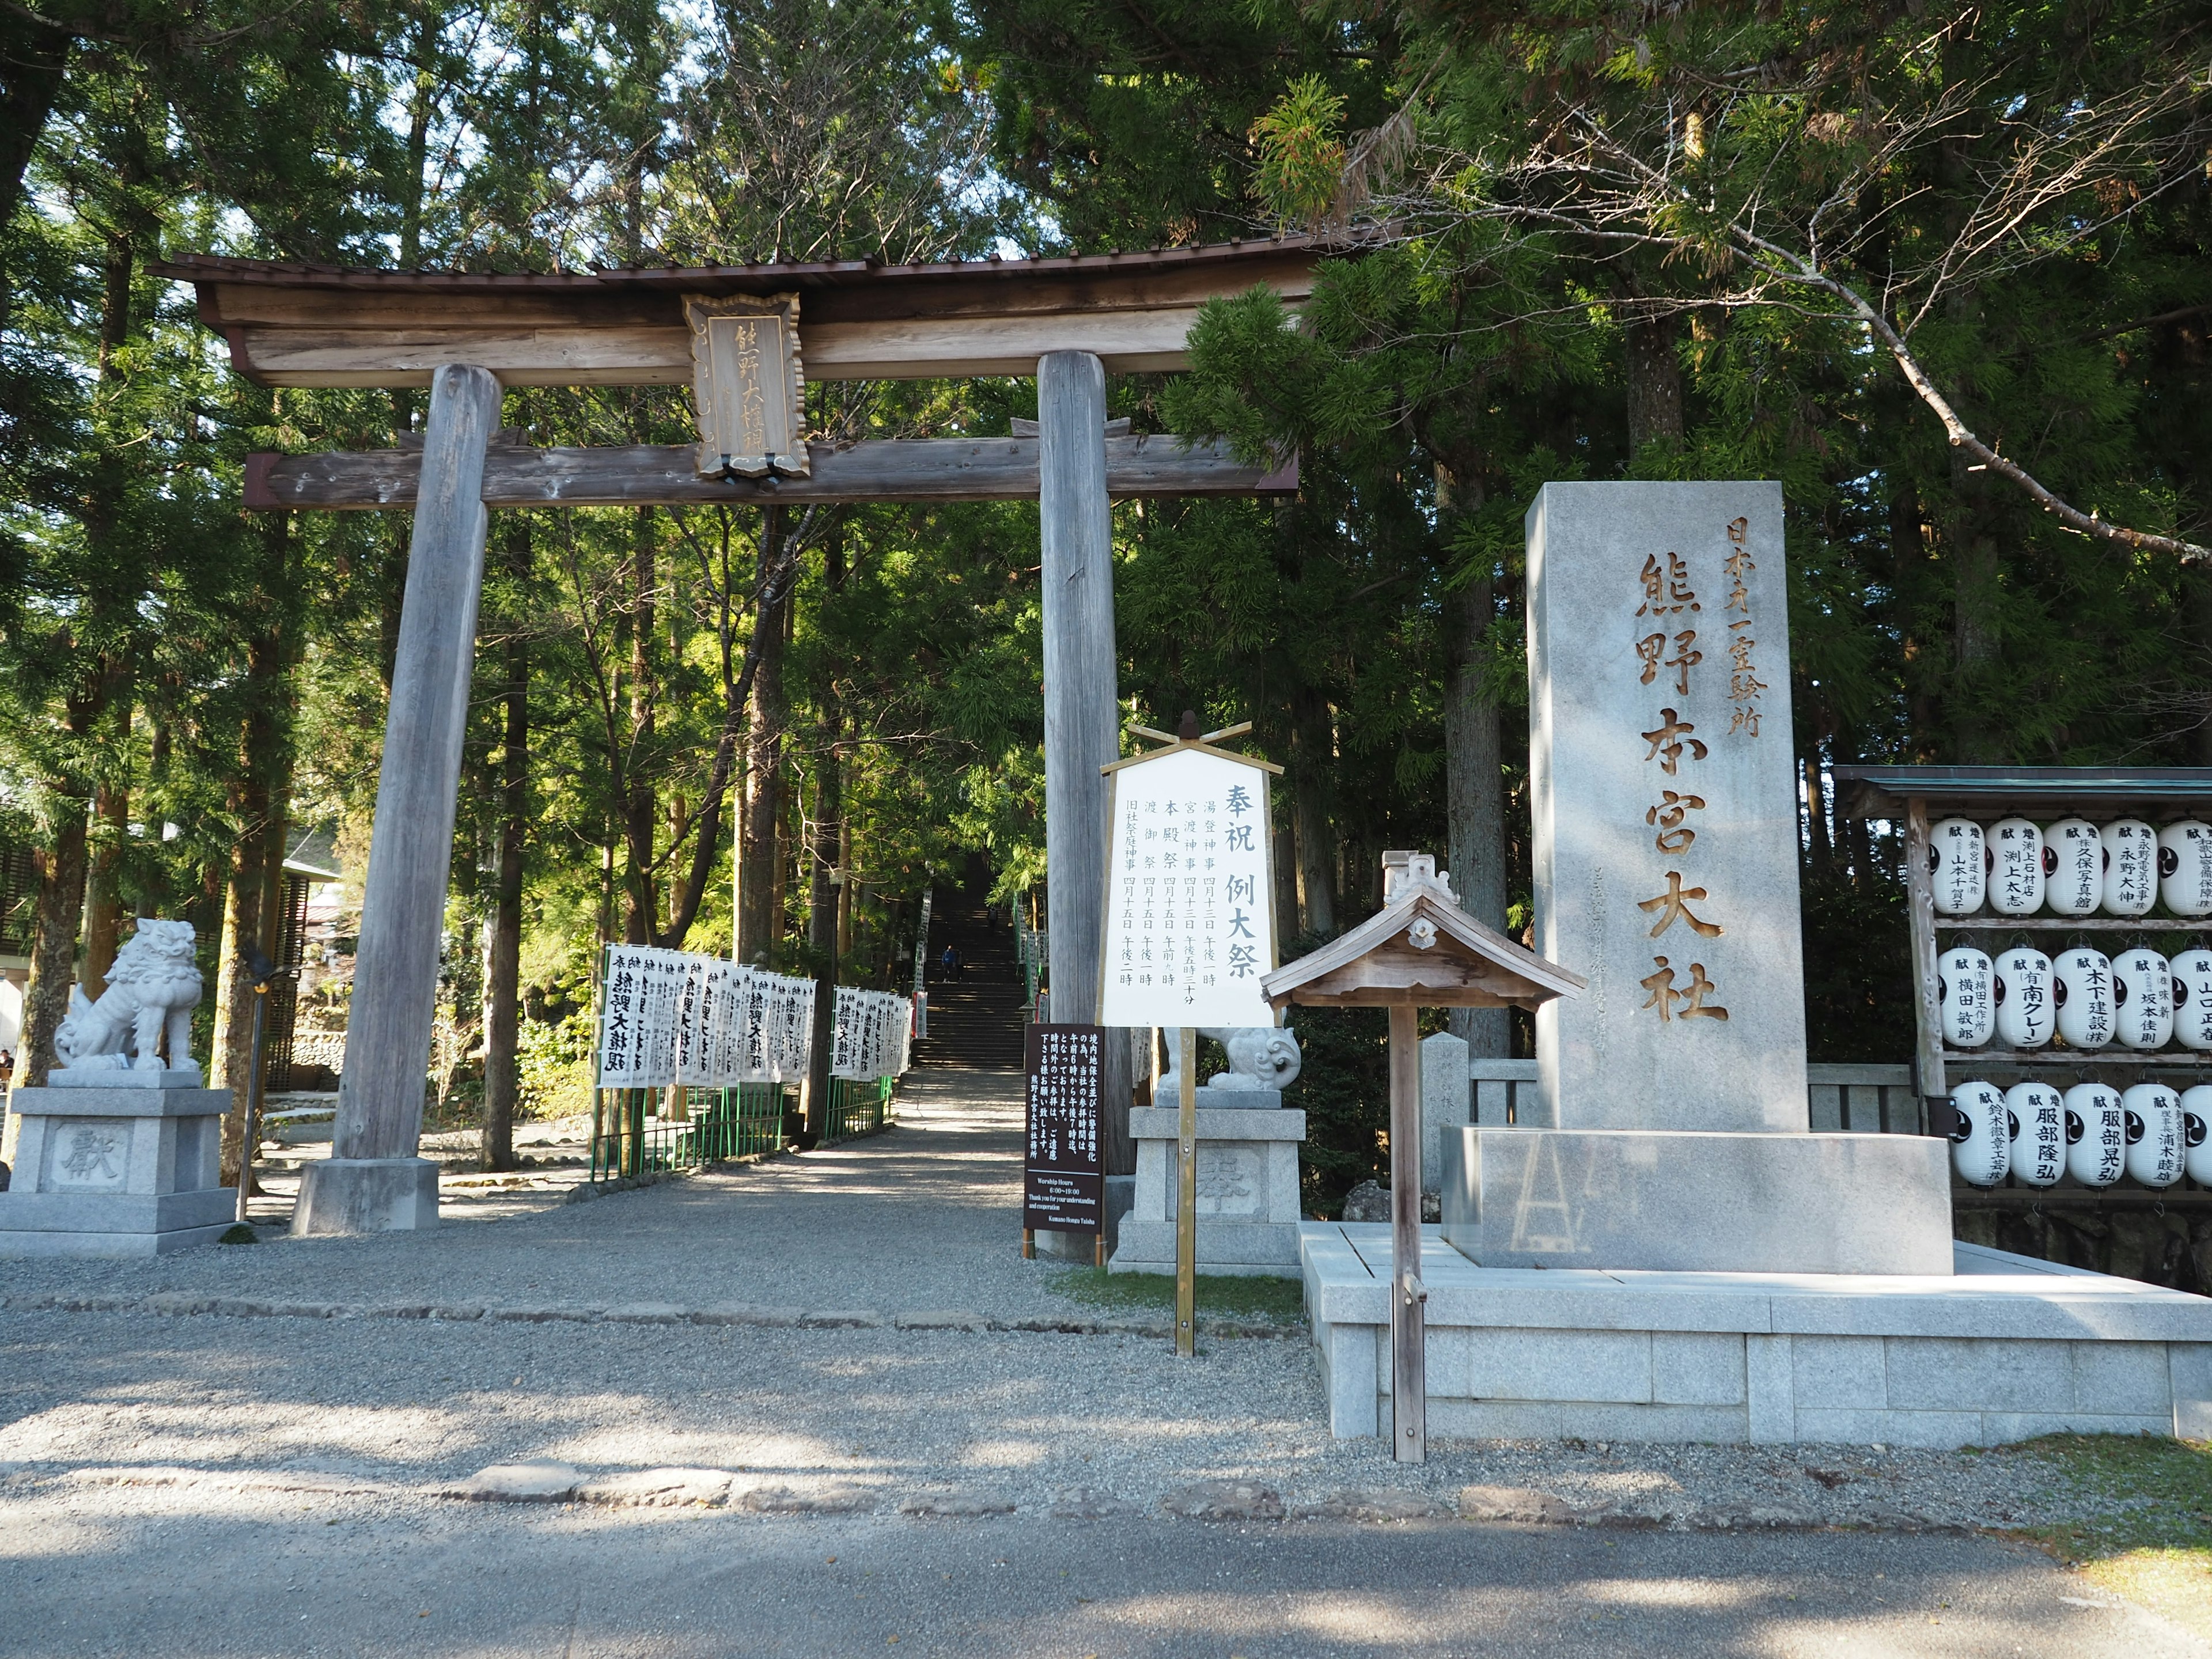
1190	893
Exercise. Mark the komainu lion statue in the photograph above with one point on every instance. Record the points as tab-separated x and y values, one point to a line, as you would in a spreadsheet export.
1260	1057
153	986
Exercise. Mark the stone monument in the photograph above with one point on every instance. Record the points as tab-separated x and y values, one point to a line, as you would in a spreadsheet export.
120	1153
1248	1164
1664	794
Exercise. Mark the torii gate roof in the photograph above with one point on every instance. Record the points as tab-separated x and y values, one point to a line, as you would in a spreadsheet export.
294	325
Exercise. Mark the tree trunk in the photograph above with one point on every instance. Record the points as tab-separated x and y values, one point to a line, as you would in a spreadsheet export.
1312	759
1655	382
36	53
1286	888
53	947
824	900
638	810
255	794
759	884
1474	797
103	896
503	938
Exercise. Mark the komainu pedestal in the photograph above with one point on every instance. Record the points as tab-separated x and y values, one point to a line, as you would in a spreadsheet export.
1248	1186
127	1169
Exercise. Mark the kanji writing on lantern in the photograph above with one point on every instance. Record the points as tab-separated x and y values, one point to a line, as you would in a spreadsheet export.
1674	837
1667	743
1671	905
1664	995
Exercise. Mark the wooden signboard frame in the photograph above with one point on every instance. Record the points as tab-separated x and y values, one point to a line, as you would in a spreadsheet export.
1190	739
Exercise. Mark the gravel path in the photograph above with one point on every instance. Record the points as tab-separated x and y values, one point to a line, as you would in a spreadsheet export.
927	1215
884	1415
925	1218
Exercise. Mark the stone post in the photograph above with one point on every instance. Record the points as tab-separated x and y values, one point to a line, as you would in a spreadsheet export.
1446	1097
373	1181
1081	709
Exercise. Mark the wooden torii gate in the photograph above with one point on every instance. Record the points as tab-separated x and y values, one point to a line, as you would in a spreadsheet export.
748	337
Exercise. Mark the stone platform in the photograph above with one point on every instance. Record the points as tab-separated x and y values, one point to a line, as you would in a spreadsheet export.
1726	1202
2006	1349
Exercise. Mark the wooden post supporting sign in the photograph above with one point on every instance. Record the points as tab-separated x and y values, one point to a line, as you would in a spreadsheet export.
1409	1396
1420	950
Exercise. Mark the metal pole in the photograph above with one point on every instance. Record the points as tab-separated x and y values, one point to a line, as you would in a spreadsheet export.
1409	1385
1187	1198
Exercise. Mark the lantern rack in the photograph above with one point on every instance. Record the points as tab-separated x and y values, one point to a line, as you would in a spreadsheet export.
1914	797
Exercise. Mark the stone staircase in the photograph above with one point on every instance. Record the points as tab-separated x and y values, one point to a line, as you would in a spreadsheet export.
975	1019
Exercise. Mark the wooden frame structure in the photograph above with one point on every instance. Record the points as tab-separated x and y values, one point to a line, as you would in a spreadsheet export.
1186	738
1420	950
1916	796
469	335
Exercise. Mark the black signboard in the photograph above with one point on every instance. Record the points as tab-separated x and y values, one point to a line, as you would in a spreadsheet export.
1062	1182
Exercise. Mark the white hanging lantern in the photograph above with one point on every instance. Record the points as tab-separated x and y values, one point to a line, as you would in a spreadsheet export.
2142	1000
2022	988
1981	1142
2189	977
2096	1134
2130	866
2036	1129
2015	868
2154	1148
2074	867
2184	867
1963	981
1957	861
2081	986
2196	1134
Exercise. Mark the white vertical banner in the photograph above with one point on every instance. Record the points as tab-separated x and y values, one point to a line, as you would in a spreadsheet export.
1190	893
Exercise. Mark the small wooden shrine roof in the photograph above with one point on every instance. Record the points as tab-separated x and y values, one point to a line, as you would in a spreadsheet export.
1421	950
298	324
1881	792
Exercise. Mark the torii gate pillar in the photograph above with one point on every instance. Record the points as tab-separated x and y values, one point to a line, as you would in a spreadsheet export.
372	1181
1081	701
1082	706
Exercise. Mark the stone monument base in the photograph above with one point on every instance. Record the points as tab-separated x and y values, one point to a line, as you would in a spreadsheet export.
366	1196
1248	1186
1681	1200
126	1170
2003	1349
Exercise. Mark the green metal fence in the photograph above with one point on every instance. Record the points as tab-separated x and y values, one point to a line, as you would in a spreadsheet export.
858	1106
725	1124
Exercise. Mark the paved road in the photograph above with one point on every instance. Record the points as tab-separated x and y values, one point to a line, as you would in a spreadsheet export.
140	1575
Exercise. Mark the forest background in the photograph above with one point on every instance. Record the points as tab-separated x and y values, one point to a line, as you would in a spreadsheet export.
1579	240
